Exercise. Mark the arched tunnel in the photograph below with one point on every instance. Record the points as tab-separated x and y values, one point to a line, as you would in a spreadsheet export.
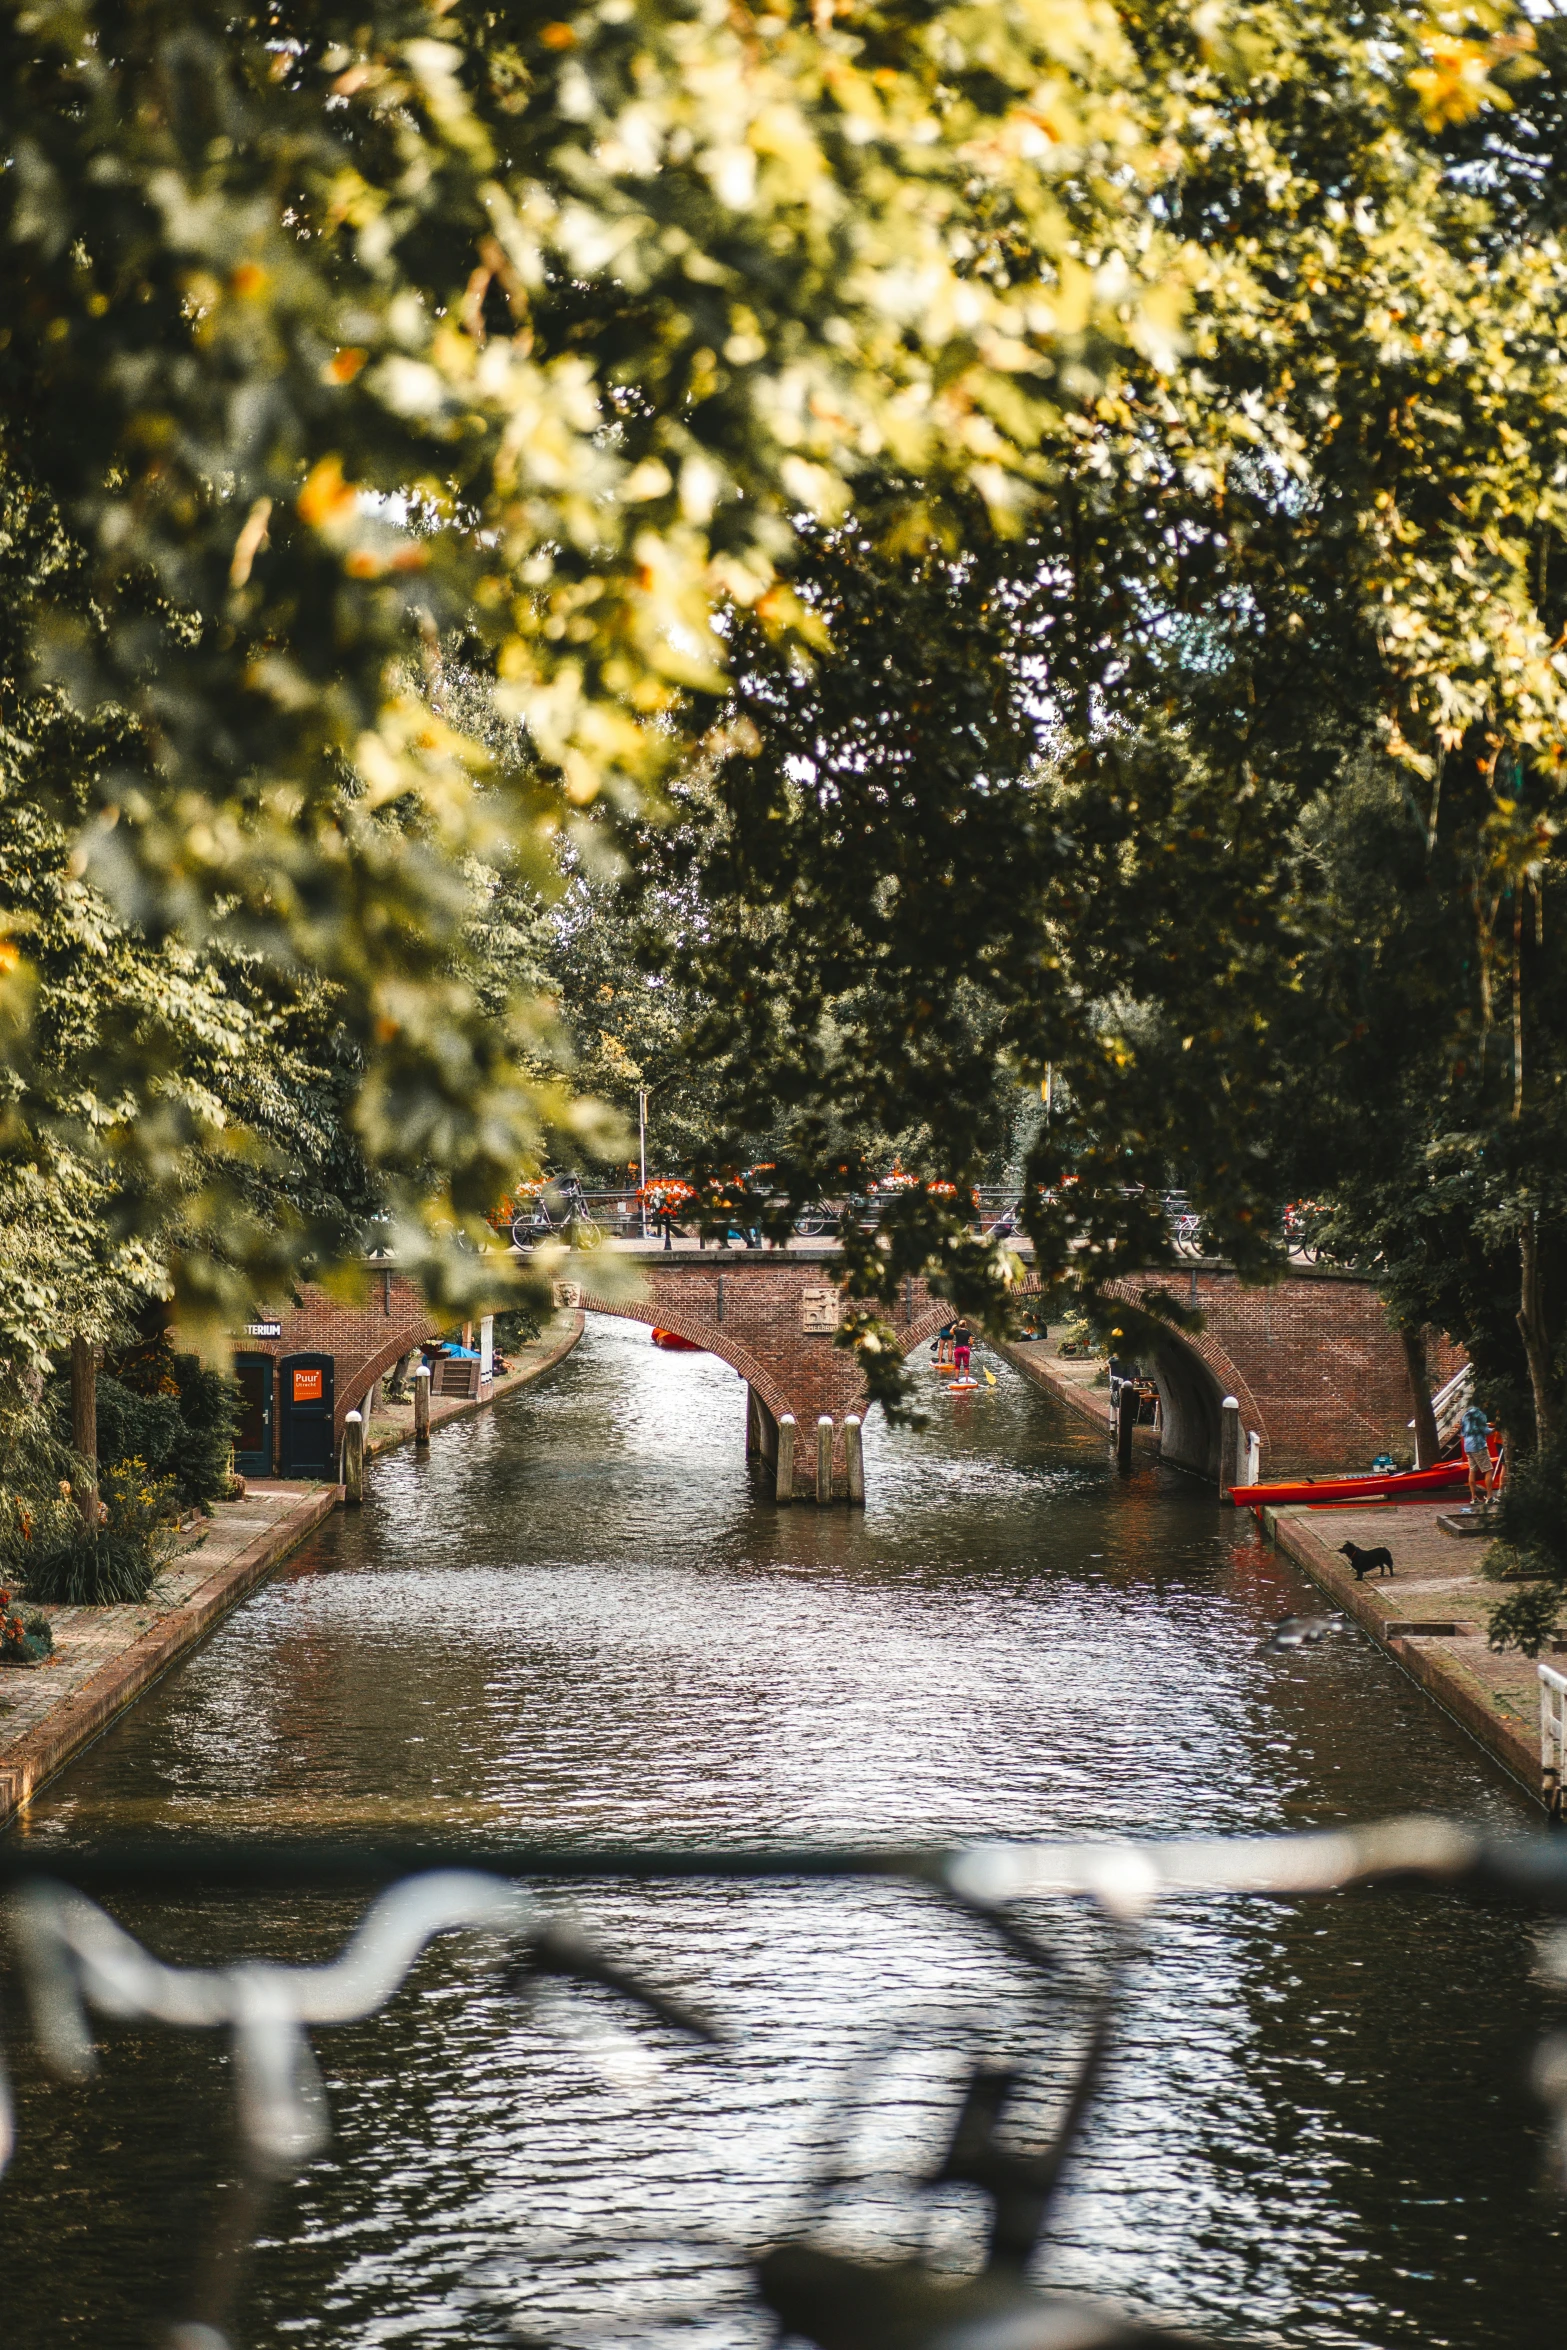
1190	1400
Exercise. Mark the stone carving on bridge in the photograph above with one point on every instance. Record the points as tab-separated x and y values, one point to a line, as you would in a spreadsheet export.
821	1310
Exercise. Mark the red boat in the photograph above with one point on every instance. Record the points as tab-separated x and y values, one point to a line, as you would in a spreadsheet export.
1434	1484
675	1344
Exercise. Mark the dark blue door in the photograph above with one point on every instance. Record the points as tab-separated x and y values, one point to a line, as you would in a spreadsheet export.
253	1436
305	1403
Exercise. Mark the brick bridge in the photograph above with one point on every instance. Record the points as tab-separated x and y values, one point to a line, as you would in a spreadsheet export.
1312	1361
1317	1370
1315	1367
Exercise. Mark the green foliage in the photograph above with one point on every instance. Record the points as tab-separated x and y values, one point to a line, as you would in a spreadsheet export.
515	1328
1533	1549
174	1416
340	337
62	1561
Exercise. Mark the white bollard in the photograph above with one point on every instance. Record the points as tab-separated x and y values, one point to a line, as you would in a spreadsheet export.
422	1404
854	1459
353	1457
1232	1455
783	1489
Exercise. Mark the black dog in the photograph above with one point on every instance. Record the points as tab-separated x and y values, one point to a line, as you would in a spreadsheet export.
1367	1562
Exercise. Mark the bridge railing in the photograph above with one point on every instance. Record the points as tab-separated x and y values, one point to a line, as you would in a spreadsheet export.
79	1963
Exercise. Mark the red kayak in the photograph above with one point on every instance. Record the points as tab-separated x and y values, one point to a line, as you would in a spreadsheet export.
676	1345
1322	1492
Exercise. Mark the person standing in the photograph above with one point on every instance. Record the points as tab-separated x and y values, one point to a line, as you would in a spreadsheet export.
962	1341
1475	1429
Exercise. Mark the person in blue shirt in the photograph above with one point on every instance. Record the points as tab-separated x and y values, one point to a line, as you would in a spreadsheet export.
1476	1429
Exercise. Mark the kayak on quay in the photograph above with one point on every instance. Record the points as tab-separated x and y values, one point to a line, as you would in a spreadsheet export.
1433	1484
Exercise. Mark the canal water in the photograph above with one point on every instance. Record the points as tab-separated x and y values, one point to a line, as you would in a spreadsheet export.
578	1618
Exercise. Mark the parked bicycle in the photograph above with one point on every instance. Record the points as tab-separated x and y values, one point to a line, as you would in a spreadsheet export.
533	1221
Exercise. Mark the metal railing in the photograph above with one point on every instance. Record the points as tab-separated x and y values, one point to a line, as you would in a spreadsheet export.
78	1963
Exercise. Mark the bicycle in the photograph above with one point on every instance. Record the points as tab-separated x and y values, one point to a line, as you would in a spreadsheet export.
577	1225
77	1960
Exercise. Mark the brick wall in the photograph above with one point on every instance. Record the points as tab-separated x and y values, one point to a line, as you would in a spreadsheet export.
364	1338
1315	1363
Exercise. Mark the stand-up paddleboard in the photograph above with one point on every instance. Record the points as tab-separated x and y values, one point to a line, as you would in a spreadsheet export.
963	1387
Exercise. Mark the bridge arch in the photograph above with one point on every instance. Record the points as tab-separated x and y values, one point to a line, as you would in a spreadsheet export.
702	1330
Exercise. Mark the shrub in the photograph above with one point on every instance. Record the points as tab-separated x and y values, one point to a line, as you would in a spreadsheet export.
173	1415
25	1636
514	1329
64	1561
1532	1548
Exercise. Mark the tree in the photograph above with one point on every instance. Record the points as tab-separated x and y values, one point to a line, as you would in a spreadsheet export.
335	333
1332	537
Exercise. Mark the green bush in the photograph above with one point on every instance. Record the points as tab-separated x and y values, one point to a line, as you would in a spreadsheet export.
170	1413
514	1329
1533	1549
61	1560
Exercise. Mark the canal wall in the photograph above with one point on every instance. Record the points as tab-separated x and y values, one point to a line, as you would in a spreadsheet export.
106	1657
1432	1616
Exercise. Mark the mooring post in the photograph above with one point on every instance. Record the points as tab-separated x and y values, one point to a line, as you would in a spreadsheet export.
824	1457
783	1490
1128	1404
353	1457
422	1404
854	1459
1232	1457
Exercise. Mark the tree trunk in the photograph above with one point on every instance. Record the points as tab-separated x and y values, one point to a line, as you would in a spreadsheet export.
84	1423
1413	1341
1531	1326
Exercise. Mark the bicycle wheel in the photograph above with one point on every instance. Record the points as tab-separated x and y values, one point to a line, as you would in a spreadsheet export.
584	1234
813	1227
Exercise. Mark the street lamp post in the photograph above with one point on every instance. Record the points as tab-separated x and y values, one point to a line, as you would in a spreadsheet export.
642	1153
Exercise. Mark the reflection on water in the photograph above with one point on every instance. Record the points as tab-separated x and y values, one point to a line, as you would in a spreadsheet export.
579	1619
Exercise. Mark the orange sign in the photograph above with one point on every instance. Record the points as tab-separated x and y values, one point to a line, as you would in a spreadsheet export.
307	1387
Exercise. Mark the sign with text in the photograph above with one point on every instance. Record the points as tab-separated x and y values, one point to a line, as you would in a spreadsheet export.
307	1387
820	1310
263	1330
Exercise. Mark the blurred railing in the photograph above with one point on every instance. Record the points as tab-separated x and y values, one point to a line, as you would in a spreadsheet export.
78	1964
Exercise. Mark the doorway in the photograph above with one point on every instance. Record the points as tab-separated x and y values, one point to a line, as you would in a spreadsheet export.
253	1436
305	1403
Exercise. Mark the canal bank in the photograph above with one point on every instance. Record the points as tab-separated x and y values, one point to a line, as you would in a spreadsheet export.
1432	1616
1081	1382
105	1658
392	1424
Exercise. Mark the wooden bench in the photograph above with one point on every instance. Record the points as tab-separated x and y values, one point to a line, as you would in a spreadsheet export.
455	1377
